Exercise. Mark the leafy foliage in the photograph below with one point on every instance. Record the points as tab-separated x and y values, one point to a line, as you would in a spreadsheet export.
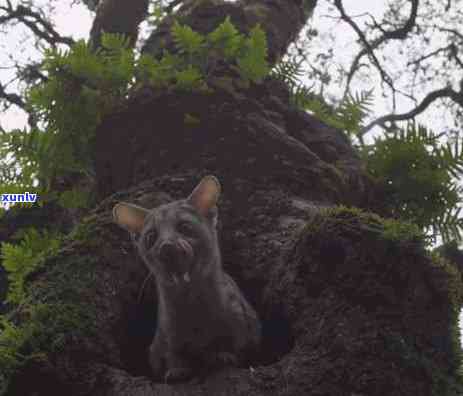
226	38
289	71
21	259
84	85
198	57
74	198
186	39
45	330
418	176
347	115
251	61
35	327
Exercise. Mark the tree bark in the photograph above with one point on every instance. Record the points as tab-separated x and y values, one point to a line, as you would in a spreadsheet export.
350	304
118	16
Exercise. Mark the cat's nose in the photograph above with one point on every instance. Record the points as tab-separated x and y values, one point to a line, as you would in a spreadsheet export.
167	252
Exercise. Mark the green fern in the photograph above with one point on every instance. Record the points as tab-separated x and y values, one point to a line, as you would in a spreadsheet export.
74	199
12	339
186	39
44	329
226	38
303	98
21	259
189	79
84	85
251	61
353	110
348	115
290	72
417	174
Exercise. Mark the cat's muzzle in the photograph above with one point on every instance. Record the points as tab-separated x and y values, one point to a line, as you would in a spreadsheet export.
177	257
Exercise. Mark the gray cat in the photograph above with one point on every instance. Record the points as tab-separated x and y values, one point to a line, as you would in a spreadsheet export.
203	318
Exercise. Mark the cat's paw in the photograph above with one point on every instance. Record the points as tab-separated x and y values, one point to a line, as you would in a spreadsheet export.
180	374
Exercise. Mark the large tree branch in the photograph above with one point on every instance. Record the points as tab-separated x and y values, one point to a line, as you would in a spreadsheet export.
118	16
15	99
447	92
12	98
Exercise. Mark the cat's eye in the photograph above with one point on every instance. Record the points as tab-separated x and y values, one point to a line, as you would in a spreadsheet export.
185	228
150	238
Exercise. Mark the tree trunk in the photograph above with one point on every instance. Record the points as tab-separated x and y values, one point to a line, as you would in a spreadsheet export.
350	304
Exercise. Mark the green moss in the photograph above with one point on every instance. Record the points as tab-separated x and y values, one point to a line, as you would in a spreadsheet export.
376	247
401	231
375	262
259	12
449	280
413	362
44	329
85	231
342	220
25	257
191	120
53	310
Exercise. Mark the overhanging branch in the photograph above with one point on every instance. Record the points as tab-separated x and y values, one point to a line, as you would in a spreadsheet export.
431	97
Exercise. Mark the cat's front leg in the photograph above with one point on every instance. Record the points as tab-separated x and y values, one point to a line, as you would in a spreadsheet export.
157	355
178	368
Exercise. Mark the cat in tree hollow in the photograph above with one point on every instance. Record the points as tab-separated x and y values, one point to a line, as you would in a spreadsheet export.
203	318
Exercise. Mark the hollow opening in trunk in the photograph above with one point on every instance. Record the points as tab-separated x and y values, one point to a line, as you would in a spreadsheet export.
141	322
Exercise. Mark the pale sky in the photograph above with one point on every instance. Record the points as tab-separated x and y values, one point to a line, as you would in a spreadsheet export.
76	22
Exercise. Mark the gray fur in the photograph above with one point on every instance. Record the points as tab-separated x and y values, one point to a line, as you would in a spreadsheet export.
203	318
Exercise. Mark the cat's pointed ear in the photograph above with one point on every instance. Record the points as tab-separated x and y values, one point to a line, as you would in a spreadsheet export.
205	195
129	216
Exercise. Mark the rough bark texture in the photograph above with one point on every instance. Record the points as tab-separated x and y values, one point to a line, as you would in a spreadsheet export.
118	16
347	307
253	133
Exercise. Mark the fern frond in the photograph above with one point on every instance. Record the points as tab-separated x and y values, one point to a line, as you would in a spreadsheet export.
227	38
186	39
289	71
252	62
420	176
21	259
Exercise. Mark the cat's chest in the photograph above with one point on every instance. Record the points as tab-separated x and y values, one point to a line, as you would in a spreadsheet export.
198	314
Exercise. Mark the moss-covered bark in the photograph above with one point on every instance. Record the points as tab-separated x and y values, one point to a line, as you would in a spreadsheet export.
350	303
